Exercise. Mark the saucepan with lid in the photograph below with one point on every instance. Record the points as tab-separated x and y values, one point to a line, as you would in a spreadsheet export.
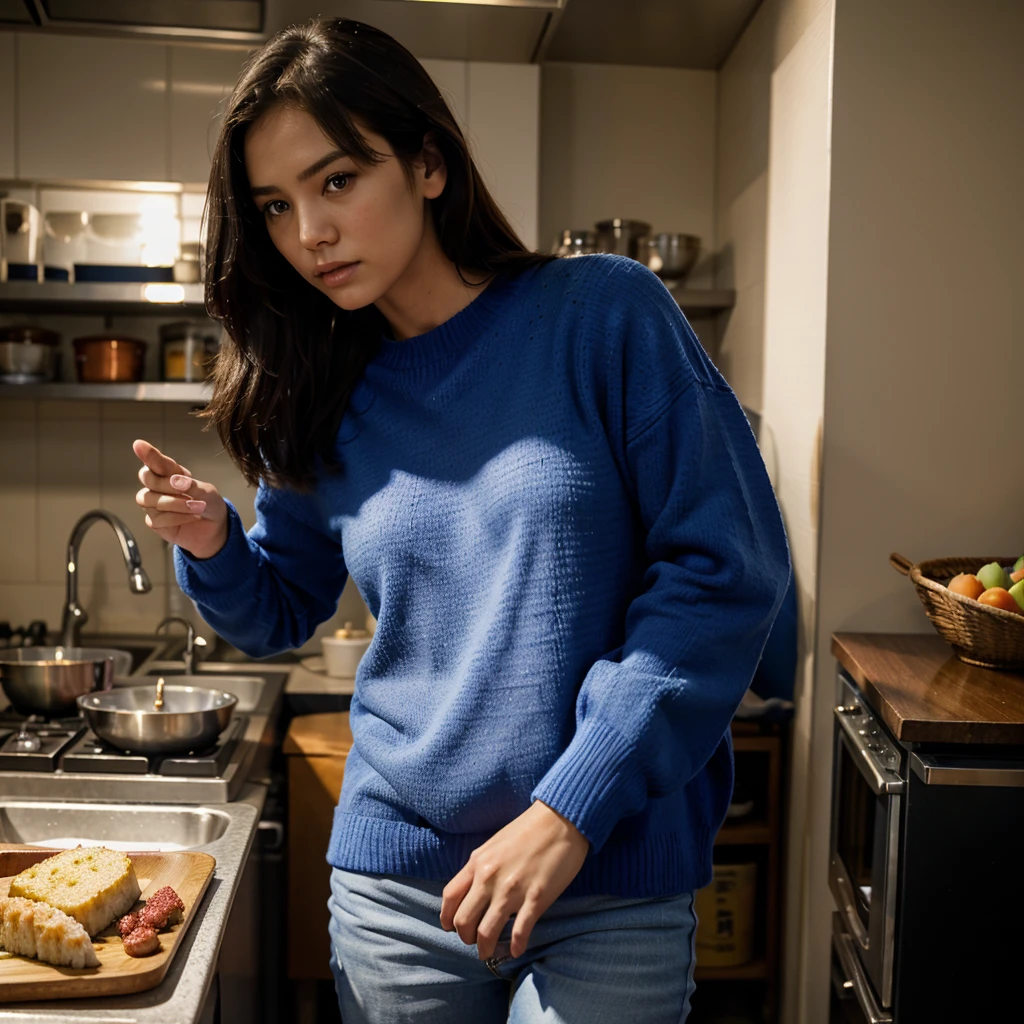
161	719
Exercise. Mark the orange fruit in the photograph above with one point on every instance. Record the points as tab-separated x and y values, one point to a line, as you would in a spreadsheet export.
1017	576
968	585
999	597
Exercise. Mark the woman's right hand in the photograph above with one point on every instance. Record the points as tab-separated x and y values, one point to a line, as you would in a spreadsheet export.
182	511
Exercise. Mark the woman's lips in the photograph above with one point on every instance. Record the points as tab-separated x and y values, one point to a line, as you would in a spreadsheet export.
338	275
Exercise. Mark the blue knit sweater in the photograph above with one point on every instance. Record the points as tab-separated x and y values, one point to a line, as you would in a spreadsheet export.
554	507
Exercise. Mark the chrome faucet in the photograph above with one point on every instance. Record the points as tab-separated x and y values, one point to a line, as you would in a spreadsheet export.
192	641
74	614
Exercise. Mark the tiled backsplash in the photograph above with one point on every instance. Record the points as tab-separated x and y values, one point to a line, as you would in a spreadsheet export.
58	459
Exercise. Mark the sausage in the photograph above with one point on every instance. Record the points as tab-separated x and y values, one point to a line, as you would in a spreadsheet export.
141	942
162	908
128	924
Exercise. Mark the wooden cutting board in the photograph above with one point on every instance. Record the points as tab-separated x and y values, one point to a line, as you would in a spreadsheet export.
22	979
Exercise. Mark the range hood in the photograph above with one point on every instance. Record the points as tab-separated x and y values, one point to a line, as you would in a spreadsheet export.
497	30
665	33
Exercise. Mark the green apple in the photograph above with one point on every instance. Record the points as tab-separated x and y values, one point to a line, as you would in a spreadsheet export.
1017	593
993	575
1019	564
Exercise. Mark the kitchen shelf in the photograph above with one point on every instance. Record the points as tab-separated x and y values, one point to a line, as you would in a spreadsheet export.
144	391
752	970
156	298
754	833
705	300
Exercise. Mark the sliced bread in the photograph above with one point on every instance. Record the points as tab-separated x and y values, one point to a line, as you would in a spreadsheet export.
92	884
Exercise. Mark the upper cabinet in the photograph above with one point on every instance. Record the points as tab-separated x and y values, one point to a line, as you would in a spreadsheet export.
90	107
7	93
201	82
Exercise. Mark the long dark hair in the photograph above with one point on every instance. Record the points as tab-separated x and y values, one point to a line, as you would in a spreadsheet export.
291	357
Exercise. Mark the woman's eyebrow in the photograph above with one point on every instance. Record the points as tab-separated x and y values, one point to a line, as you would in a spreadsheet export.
324	161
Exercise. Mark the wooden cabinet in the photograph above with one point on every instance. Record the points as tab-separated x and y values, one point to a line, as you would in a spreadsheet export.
202	79
757	838
91	108
315	748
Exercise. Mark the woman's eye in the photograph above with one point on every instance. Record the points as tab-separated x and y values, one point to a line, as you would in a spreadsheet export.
339	181
271	209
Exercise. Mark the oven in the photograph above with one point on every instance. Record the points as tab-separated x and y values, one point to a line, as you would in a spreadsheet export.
869	785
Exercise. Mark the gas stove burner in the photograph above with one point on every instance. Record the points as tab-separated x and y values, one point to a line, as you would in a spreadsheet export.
48	741
91	754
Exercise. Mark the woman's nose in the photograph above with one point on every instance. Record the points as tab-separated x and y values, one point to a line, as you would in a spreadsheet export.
315	229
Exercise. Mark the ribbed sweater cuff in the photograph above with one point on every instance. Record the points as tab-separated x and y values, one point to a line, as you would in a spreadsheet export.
596	782
220	568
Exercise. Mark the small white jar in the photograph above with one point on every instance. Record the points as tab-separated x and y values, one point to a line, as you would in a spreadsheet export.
343	651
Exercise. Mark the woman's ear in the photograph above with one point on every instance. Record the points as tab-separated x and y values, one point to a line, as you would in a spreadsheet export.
435	173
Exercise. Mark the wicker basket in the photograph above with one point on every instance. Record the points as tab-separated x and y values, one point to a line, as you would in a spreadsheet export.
979	634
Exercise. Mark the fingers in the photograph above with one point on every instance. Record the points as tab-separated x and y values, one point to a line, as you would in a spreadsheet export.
168	520
169	502
489	929
453	895
528	915
159	483
154	459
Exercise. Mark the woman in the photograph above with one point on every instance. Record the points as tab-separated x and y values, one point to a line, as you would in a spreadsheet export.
549	499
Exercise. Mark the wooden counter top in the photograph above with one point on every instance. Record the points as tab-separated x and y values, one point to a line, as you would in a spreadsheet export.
925	694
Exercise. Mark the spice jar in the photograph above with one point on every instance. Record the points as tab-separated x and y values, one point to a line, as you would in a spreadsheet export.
187	350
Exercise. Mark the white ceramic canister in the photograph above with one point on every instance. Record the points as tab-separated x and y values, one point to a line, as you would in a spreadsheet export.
343	651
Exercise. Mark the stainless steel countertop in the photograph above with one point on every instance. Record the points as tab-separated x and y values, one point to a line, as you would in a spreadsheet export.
179	998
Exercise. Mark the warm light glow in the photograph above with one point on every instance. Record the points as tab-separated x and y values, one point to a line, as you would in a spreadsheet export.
160	230
163	293
71	566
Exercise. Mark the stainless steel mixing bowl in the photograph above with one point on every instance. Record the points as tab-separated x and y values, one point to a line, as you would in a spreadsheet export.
191	718
671	256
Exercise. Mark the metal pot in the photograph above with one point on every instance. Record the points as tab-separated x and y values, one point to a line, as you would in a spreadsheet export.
577	242
27	354
48	680
671	256
622	237
190	719
105	358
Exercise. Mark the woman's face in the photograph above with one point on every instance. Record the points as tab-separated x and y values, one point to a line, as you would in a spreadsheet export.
351	230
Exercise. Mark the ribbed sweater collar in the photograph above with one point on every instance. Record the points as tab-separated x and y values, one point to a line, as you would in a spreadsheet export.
450	337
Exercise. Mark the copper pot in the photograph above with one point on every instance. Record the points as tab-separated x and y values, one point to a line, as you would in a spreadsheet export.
103	358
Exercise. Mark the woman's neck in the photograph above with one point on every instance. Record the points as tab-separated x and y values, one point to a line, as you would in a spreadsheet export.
429	292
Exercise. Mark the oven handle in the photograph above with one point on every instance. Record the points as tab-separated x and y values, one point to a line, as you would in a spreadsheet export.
934	771
843	945
879	777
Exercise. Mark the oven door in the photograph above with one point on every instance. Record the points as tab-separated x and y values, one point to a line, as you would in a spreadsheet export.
866	799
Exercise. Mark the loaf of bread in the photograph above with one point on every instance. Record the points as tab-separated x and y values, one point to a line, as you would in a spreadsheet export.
92	884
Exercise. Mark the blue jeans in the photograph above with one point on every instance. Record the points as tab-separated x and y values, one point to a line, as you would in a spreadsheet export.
590	959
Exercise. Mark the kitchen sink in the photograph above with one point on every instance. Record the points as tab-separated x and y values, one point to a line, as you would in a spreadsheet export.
137	827
248	689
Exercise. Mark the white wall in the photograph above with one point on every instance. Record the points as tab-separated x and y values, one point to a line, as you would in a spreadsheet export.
773	194
922	450
631	142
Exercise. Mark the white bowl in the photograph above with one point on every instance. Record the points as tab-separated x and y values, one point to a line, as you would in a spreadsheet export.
342	657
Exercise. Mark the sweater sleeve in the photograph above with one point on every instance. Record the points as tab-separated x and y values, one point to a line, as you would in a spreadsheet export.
650	713
268	590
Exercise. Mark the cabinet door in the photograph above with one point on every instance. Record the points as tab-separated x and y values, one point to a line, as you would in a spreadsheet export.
7	168
90	107
503	103
201	81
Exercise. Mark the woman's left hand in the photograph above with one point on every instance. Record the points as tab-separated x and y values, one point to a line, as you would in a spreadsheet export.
520	870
